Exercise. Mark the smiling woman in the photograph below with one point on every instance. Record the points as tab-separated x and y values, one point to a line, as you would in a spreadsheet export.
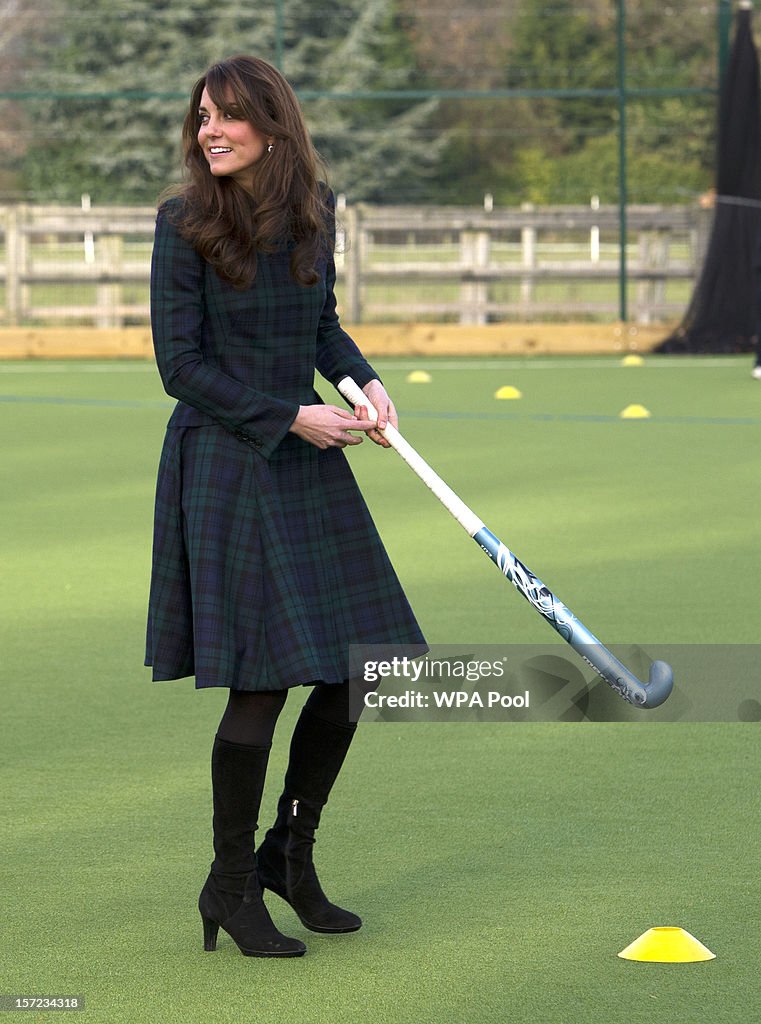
231	145
246	106
259	524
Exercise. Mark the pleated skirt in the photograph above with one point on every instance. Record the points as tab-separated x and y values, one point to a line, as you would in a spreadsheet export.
265	571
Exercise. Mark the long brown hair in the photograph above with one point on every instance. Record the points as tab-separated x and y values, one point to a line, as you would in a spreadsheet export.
223	222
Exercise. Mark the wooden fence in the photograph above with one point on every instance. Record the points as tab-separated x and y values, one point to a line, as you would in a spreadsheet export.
65	265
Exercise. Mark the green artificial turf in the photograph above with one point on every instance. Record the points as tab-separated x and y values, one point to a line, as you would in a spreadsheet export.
499	867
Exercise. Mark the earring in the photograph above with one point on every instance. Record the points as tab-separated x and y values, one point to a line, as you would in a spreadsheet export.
270	148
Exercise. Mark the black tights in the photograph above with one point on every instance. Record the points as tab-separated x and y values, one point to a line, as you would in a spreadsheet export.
250	718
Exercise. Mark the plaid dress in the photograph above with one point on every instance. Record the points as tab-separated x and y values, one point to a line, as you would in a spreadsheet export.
266	562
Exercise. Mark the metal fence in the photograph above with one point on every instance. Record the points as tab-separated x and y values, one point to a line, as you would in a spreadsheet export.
71	266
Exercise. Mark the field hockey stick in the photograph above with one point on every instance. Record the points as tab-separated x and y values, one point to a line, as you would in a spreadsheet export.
563	621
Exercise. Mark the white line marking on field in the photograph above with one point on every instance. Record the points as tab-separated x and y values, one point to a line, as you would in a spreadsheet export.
433	363
569	363
46	367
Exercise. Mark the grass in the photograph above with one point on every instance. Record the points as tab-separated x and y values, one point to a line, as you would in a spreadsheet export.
499	867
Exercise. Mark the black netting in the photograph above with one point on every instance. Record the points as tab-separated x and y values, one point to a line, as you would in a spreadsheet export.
722	313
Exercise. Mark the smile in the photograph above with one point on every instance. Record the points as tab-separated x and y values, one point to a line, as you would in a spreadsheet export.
217	150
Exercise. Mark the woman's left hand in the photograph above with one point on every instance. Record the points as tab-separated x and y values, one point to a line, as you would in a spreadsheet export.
378	396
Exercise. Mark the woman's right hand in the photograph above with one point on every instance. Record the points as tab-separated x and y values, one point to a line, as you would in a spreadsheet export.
327	426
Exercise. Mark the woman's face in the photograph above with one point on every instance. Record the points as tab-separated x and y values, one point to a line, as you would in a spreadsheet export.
231	146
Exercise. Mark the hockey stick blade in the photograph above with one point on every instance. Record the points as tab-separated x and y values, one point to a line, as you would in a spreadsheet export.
563	621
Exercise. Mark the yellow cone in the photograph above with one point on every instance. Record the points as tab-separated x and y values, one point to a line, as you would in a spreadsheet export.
634	412
667	946
419	377
632	360
508	391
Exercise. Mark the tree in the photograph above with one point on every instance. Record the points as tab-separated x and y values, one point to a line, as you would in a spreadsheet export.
377	150
118	78
565	48
132	67
19	27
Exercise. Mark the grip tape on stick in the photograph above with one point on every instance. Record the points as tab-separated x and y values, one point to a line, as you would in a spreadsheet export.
453	504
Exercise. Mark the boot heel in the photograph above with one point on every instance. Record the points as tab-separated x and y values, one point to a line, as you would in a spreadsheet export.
210	930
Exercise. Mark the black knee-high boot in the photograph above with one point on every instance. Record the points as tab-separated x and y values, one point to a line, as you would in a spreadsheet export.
232	896
318	749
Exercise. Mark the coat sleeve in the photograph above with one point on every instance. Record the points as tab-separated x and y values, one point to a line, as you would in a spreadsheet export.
177	314
337	354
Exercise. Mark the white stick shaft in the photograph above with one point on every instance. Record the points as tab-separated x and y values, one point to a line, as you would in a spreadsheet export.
563	621
464	516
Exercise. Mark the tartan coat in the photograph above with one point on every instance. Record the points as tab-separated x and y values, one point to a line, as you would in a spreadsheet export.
266	562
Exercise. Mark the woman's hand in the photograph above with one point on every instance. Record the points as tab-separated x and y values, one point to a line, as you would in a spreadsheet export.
378	397
327	426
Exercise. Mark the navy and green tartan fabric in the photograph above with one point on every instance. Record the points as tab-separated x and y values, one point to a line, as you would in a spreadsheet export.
266	562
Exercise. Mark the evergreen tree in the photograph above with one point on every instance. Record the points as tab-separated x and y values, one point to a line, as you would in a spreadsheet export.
131	64
118	79
377	150
19	27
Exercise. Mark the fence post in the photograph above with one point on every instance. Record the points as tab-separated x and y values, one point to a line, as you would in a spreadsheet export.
644	287
528	260
475	249
16	264
594	233
660	262
11	267
110	248
653	256
352	262
700	236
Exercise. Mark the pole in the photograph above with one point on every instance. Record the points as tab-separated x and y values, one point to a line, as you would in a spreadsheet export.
622	168
724	24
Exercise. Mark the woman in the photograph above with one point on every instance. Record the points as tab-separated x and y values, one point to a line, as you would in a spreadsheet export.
266	563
